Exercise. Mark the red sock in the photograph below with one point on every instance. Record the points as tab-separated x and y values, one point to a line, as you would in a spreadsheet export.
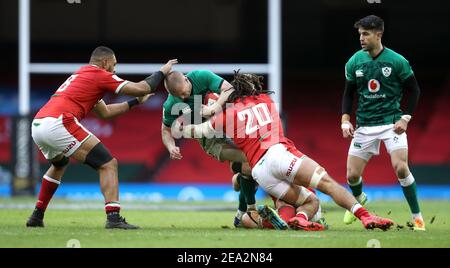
111	207
301	215
286	212
48	188
361	212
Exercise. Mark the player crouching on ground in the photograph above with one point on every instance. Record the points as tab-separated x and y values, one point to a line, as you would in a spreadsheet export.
59	135
253	122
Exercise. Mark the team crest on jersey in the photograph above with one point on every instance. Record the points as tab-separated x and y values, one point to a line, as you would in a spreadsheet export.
373	85
386	71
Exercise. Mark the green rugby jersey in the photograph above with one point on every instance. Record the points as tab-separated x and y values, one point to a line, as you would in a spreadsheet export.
203	82
379	86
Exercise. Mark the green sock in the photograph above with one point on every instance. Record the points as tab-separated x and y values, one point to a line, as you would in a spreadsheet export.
248	189
356	187
410	193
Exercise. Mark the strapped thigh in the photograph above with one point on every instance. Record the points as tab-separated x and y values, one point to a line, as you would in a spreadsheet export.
318	174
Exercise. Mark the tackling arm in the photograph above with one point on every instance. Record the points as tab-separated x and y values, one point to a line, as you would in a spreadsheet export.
109	111
149	84
197	131
225	91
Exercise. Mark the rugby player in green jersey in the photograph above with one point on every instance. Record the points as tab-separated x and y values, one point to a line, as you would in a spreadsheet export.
379	77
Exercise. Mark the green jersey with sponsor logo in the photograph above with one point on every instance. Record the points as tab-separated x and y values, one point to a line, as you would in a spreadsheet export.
202	81
379	86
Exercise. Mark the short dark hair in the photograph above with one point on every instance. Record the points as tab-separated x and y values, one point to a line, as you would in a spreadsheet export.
370	22
101	52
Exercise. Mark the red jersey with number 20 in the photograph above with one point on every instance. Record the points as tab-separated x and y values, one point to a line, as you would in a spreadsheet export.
81	92
254	125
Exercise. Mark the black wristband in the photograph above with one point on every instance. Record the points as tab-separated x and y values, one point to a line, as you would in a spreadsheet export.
132	103
154	80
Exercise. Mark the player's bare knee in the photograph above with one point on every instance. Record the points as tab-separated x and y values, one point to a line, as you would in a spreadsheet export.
352	175
313	201
401	169
112	164
60	164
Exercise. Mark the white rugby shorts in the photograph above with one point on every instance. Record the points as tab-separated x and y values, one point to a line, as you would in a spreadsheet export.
366	141
276	170
56	136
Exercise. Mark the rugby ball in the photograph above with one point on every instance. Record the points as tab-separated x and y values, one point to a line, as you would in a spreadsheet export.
210	98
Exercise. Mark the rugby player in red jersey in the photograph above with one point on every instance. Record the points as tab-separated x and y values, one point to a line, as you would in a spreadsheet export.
252	121
57	131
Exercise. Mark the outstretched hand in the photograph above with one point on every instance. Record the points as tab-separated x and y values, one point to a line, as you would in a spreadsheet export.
166	68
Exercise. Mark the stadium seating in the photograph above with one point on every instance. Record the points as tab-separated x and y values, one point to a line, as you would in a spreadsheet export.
312	125
433	146
195	167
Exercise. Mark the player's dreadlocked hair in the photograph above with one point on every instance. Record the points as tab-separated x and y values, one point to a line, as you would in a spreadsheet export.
247	85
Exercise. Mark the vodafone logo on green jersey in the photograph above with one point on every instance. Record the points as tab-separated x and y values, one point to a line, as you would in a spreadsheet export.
373	85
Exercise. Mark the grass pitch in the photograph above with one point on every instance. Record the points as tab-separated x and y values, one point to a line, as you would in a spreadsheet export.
180	228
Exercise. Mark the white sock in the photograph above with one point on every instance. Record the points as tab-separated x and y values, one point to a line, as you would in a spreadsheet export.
239	214
417	215
318	214
355	208
405	182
